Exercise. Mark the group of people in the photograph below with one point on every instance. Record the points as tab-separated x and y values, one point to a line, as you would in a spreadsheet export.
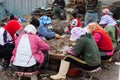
93	45
95	42
28	52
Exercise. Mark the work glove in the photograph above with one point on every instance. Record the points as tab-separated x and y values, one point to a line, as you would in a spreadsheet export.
58	36
71	44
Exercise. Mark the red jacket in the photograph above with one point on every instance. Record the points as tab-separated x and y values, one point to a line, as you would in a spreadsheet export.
105	43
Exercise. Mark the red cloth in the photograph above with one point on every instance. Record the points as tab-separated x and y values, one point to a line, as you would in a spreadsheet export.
11	27
75	23
105	43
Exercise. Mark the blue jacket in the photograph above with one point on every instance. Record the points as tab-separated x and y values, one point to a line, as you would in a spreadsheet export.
43	31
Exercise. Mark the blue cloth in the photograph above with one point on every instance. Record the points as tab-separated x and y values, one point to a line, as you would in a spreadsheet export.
44	20
43	31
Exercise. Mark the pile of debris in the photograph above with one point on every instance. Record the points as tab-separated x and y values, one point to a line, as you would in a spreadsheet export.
57	45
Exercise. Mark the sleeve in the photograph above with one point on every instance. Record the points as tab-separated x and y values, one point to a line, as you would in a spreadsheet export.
43	46
45	32
97	37
78	47
103	20
69	51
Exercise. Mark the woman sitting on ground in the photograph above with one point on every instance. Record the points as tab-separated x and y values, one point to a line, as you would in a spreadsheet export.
44	31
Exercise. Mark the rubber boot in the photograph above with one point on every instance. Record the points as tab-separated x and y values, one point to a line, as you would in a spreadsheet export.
64	66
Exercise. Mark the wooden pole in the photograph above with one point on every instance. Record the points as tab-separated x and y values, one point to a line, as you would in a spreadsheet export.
118	63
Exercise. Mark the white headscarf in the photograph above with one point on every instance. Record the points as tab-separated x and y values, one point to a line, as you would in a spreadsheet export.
30	29
76	33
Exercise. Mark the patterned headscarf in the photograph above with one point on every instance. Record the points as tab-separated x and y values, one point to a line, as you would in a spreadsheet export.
76	33
45	20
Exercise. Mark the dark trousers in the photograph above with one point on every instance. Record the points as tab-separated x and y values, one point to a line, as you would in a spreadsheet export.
105	57
6	52
79	63
46	60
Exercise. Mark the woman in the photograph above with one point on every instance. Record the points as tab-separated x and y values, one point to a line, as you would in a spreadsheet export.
83	54
91	14
75	23
44	31
29	52
8	36
102	40
110	25
58	9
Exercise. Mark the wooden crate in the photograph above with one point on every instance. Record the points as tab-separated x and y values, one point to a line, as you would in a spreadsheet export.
54	61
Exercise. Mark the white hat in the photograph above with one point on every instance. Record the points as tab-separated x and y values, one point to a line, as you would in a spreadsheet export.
30	29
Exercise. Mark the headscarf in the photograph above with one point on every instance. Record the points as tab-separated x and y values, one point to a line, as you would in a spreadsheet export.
75	23
76	33
106	11
93	26
45	20
30	29
11	27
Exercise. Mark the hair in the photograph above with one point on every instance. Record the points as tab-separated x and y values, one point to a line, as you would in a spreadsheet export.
12	17
35	22
2	24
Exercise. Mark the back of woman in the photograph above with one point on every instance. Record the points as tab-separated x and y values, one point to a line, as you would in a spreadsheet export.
29	50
